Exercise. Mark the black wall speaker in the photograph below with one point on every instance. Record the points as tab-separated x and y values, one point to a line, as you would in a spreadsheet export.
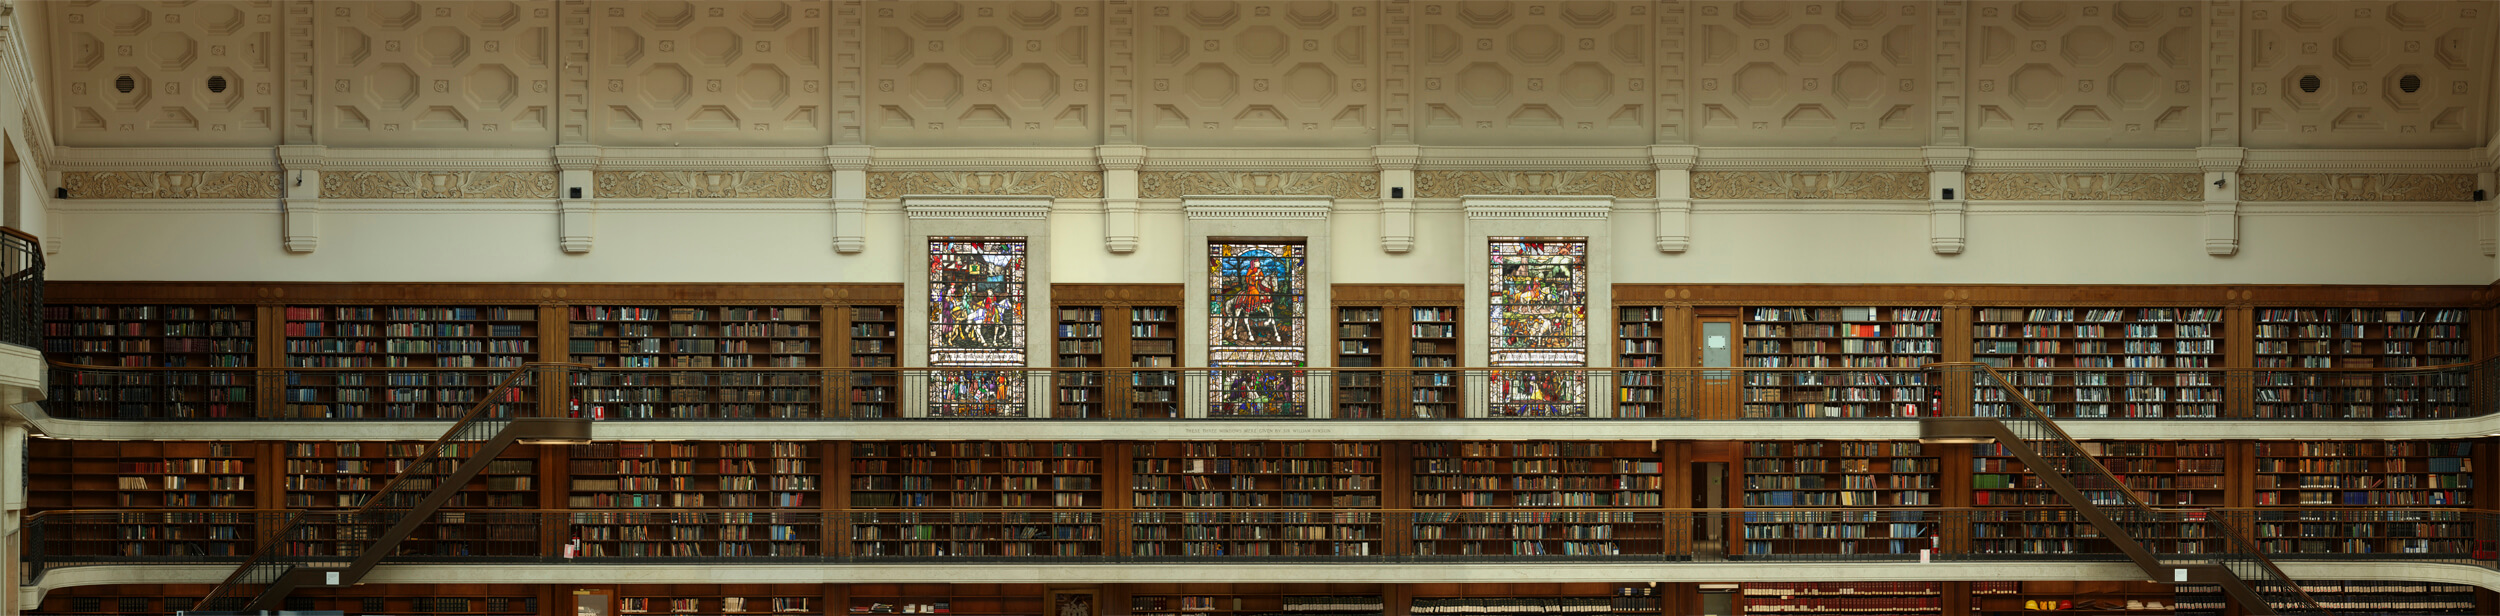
1948	194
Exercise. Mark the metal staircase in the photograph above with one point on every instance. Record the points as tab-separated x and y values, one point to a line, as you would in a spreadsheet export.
2243	572
337	548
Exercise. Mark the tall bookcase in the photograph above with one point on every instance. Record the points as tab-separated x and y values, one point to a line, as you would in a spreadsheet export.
1256	599
1797	485
1849	341
1191	475
214	481
684	347
875	349
333	475
749	483
1396	336
452	338
2361	338
1533	598
1834	598
1028	486
2049	354
2021	515
151	335
2371	473
1117	327
1640	342
795	599
1535	497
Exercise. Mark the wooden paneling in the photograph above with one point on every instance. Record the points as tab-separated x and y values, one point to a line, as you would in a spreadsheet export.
1397	294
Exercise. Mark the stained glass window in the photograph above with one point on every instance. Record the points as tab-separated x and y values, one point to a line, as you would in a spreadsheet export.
1540	319
1255	312
976	319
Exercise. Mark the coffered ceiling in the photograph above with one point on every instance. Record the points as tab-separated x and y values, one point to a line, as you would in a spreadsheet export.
493	74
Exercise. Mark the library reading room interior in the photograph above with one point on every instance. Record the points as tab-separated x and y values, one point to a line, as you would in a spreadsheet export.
1249	308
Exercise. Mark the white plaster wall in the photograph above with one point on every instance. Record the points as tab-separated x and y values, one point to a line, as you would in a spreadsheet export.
1081	258
1828	243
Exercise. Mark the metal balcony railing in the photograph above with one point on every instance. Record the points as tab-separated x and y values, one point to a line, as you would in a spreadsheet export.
21	289
1197	394
60	539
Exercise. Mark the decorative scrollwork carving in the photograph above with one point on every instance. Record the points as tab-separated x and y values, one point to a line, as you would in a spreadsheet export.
1621	184
1177	184
1060	184
1864	185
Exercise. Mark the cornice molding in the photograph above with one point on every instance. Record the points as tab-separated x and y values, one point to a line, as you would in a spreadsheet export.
1537	207
1814	206
1260	207
976	207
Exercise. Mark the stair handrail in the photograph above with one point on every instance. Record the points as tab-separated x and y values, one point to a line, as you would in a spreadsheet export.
2134	507
424	460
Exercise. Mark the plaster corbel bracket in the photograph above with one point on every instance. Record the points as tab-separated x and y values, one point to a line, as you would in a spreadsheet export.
850	196
1397	195
1948	230
577	202
2222	198
299	203
1674	165
1120	187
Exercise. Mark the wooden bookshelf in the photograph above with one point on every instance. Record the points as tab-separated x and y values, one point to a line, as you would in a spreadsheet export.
1821	598
705	475
2361	338
2381	597
1256	475
873	342
418	599
1848	340
693	337
2159	473
214	480
2082	598
151	335
1117	326
717	599
1398	333
141	474
2365	473
400	337
1256	599
1535	497
2022	515
1640	342
1824	475
1539	599
329	475
964	599
746	486
1154	342
2049	353
1080	345
972	475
